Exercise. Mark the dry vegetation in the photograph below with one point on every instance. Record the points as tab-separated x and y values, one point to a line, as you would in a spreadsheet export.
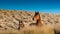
9	20
29	30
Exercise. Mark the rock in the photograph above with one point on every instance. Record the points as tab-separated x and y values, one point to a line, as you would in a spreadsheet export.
9	19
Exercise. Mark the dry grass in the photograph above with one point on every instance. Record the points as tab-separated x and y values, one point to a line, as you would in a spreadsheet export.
29	30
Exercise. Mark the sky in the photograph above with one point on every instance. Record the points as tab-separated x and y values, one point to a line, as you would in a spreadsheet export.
46	6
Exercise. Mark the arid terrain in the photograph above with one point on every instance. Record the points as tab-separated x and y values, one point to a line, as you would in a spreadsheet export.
9	22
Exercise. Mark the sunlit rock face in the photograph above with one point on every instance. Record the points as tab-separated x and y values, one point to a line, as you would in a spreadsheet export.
9	19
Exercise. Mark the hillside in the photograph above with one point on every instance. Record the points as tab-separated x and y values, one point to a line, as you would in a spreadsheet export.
9	19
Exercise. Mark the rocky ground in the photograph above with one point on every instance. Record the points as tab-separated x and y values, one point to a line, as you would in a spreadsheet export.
9	19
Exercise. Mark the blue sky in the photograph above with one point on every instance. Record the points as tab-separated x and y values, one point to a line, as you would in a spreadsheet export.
47	6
